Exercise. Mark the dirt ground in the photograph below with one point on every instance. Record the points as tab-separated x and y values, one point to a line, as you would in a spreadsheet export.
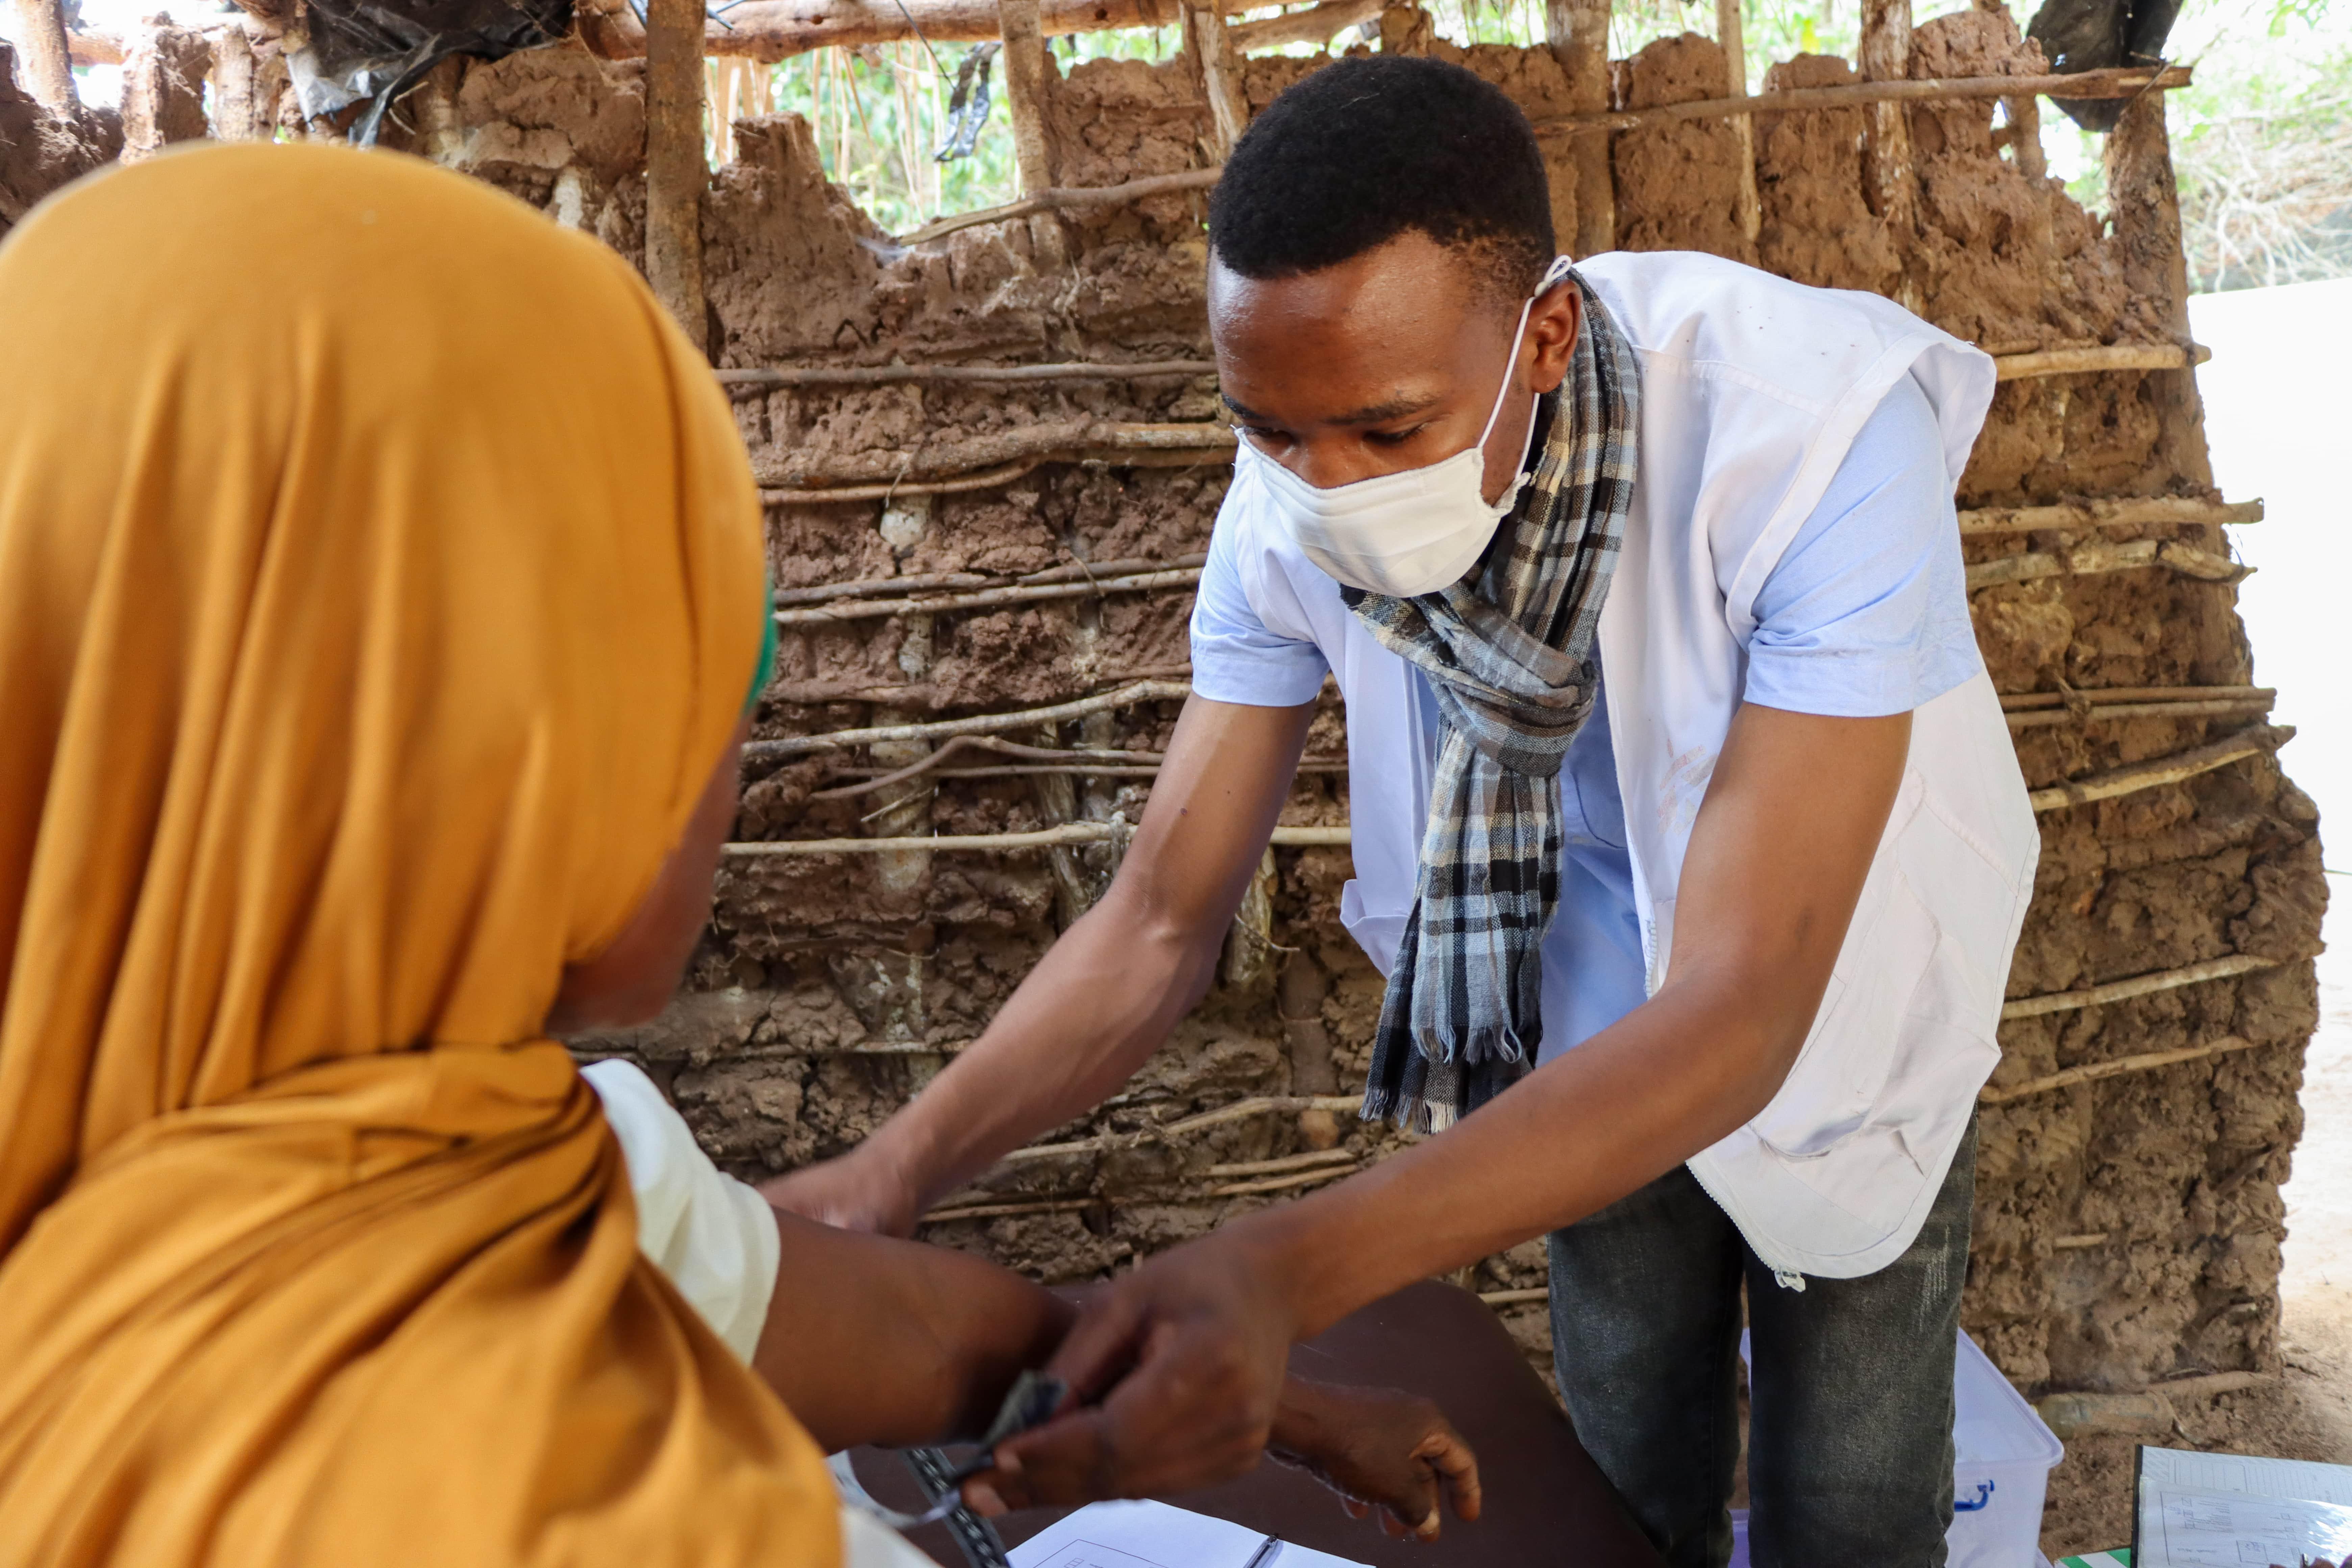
2308	1413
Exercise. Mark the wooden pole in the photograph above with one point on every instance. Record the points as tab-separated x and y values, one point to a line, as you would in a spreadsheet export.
48	58
1886	56
1028	85
2145	205
675	170
1026	73
1579	33
1735	71
237	115
1221	82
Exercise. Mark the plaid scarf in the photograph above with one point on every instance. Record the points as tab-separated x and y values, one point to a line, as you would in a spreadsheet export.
1508	652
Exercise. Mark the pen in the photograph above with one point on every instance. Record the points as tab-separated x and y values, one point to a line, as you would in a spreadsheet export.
1267	1553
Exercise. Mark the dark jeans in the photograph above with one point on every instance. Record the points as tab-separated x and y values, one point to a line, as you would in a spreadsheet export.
1850	1429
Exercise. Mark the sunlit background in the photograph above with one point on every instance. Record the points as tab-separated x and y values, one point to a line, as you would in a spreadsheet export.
2263	139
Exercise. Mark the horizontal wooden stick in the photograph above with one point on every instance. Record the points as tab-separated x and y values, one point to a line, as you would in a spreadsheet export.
1030	593
1259	1105
2115	513
1239	1111
1062	836
771	30
2127	81
1061	440
1311	25
1515	1298
2160	771
2104	556
2231	707
829	495
924	582
1283	1184
2011	701
1286	1163
2136	986
2098	357
1004	1211
1061	197
2146	1062
987	374
2078	1243
978	724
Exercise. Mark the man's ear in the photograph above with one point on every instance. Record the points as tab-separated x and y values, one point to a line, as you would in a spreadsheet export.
1552	327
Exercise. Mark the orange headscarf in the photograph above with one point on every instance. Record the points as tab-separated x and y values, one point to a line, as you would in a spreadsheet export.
379	581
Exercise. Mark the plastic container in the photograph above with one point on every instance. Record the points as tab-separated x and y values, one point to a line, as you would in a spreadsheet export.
2000	1471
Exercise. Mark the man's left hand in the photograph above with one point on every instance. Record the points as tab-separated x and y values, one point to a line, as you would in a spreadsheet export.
1197	1341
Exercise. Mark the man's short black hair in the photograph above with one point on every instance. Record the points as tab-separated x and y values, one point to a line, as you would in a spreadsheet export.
1365	149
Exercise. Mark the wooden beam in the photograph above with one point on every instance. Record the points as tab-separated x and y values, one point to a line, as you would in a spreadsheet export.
2160	771
1309	25
2120	512
2092	1073
1735	70
1211	50
676	170
1066	833
1027	76
993	374
2144	205
2138	985
47	57
1578	32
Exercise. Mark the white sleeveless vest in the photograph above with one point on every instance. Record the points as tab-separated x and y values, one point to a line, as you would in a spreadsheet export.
1752	391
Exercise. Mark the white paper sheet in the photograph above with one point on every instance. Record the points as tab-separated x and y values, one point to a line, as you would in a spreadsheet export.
1154	1535
2231	1510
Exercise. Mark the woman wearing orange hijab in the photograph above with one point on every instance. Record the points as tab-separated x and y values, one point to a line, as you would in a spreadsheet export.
380	586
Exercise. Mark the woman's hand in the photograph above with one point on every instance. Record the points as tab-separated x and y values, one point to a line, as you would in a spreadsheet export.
1378	1449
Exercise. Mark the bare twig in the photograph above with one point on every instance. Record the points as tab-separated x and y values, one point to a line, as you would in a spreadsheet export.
916	582
2145	1062
834	614
982	375
978	724
2116	513
2138	985
1056	836
2103	357
2162	770
2012	701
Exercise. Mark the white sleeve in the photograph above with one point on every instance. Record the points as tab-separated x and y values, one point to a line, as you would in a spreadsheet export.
714	1236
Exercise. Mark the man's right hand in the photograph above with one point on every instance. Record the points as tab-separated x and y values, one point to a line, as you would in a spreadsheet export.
855	1192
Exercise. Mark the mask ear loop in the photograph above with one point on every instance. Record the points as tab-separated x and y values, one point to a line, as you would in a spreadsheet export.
1554	276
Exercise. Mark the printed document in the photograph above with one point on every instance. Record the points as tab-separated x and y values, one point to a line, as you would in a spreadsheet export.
1154	1535
2234	1511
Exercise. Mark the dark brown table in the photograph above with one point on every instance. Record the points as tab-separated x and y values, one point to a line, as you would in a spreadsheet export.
1545	1503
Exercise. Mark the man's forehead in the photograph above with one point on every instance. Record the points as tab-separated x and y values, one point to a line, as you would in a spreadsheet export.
1410	276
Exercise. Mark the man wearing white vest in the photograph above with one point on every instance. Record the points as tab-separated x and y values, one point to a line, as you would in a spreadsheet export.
1685	827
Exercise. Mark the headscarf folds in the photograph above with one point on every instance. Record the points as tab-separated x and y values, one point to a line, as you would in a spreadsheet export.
379	580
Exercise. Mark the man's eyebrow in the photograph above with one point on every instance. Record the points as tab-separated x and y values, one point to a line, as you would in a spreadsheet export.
1396	407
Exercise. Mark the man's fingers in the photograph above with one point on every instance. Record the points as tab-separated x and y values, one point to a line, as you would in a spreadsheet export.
1098	1346
1069	1460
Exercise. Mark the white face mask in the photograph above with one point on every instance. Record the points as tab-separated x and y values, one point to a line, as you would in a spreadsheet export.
1410	532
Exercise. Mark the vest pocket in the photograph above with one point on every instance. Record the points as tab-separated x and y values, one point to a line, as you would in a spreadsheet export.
1857	1035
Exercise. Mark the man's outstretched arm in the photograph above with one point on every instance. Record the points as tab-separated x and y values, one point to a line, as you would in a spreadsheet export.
1105	996
1191	1347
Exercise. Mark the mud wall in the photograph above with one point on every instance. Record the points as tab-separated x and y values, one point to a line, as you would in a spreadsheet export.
2127	1229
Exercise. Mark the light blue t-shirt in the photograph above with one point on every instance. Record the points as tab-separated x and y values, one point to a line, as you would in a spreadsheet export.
1865	615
